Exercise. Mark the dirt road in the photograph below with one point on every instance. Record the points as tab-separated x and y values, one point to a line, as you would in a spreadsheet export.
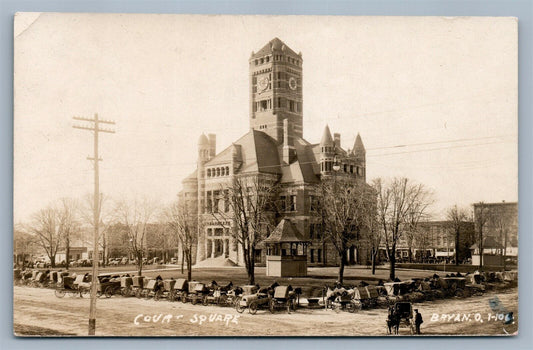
39	309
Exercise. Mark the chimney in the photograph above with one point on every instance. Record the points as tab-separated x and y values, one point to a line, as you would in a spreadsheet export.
212	145
337	140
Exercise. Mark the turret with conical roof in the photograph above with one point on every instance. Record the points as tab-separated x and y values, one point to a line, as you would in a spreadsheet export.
327	151
358	148
359	154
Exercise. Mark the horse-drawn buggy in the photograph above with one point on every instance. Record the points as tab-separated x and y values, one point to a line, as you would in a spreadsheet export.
254	299
219	295
341	298
179	290
108	285
401	316
284	298
72	285
195	293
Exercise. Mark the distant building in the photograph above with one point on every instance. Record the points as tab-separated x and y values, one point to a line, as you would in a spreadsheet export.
273	149
499	224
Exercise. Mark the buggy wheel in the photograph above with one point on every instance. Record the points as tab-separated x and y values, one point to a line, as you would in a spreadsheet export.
239	307
252	309
271	306
350	307
109	292
237	301
60	293
158	295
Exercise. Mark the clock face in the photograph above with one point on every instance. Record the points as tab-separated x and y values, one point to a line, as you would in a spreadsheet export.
292	83
262	83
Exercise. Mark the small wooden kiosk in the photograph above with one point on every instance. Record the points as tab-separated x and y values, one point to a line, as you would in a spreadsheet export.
286	251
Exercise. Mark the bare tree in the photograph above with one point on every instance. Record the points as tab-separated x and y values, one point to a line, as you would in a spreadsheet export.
136	216
455	218
347	206
106	218
251	207
417	212
45	225
69	224
182	220
23	245
398	201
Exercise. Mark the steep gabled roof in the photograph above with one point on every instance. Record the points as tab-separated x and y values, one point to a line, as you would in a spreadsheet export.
304	167
274	45
255	150
285	232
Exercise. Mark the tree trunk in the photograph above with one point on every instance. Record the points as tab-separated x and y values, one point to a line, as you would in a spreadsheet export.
67	253
139	264
251	272
392	259
504	250
480	249
189	265
340	277
373	261
457	232
53	261
182	259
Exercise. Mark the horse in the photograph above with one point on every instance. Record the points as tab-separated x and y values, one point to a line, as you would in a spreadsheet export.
393	321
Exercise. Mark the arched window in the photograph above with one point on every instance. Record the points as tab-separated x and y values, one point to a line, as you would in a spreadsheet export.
218	171
208	172
227	170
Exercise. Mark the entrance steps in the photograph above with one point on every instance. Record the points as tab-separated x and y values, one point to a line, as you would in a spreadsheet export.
219	261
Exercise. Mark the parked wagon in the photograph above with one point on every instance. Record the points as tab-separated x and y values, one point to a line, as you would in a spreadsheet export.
403	312
218	295
137	285
165	289
108	285
126	286
180	289
252	299
151	287
283	298
72	285
195	293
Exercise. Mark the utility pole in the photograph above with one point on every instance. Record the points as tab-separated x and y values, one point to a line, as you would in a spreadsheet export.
95	128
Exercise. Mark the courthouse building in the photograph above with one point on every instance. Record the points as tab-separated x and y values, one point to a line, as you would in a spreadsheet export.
273	149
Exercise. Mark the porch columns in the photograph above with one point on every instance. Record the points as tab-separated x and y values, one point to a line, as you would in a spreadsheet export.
212	248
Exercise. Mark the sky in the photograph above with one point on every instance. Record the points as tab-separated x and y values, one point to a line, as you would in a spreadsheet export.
433	98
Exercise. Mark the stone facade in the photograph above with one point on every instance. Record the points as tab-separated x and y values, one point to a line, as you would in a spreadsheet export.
275	150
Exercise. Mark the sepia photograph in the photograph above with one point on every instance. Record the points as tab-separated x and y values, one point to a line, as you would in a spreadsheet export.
239	175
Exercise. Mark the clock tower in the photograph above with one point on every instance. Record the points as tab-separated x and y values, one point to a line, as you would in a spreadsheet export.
276	92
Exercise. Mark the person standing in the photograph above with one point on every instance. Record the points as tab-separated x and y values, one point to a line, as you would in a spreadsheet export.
418	321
